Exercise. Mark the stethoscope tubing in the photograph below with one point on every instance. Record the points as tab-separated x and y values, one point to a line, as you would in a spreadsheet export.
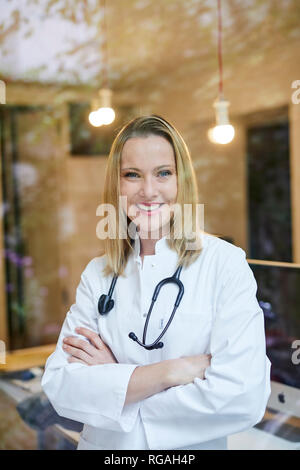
106	303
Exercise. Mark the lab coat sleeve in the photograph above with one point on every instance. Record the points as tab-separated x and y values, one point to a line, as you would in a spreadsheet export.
234	394
93	395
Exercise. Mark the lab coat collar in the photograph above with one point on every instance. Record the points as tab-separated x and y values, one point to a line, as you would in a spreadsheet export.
161	246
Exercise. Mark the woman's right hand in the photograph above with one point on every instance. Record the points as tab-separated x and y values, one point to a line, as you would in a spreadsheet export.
185	369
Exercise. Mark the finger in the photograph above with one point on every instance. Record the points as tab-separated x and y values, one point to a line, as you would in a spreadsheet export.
80	344
78	353
75	359
92	336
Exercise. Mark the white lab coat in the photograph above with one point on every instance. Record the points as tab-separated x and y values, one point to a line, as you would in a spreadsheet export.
219	314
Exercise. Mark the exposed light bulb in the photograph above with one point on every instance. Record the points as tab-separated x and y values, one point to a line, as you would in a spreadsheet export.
223	132
95	119
107	115
102	112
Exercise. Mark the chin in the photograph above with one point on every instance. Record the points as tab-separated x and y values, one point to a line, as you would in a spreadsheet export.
157	230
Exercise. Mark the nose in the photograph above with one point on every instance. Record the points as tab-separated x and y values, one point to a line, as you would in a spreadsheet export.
148	188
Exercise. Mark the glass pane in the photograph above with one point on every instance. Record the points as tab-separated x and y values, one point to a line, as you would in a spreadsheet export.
88	140
31	197
269	193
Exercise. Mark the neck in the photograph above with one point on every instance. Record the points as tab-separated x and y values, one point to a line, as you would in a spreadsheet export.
147	245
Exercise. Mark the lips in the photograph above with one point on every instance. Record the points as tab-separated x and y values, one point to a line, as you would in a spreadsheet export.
149	207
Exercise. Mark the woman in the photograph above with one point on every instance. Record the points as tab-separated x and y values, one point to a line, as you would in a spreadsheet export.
210	377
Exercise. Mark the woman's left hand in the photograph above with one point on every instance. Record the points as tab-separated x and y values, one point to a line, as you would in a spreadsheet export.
85	352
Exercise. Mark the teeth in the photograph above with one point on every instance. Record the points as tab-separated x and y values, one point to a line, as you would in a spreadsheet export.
148	208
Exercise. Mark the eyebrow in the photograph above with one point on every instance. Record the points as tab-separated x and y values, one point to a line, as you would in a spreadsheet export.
156	168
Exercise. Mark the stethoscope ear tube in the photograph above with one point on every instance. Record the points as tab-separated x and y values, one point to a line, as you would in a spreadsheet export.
154	345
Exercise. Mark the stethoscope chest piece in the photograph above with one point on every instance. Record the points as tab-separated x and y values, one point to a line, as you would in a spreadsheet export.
105	302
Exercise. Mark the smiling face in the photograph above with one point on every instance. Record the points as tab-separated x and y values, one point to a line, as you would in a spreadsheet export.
149	181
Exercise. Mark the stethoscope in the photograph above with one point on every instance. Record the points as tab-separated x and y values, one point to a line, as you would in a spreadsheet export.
106	304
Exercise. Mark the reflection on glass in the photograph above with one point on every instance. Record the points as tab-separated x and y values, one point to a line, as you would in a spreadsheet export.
269	193
88	140
279	297
31	198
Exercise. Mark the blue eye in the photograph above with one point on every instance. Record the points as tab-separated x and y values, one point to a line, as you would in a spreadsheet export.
133	174
130	173
165	173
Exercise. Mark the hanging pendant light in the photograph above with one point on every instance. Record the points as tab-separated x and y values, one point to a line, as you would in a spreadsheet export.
223	132
2	92
94	117
105	111
102	112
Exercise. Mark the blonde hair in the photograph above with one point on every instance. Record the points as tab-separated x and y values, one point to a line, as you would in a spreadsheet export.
117	250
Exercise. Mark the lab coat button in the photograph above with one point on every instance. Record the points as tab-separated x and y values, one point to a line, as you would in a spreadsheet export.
144	314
